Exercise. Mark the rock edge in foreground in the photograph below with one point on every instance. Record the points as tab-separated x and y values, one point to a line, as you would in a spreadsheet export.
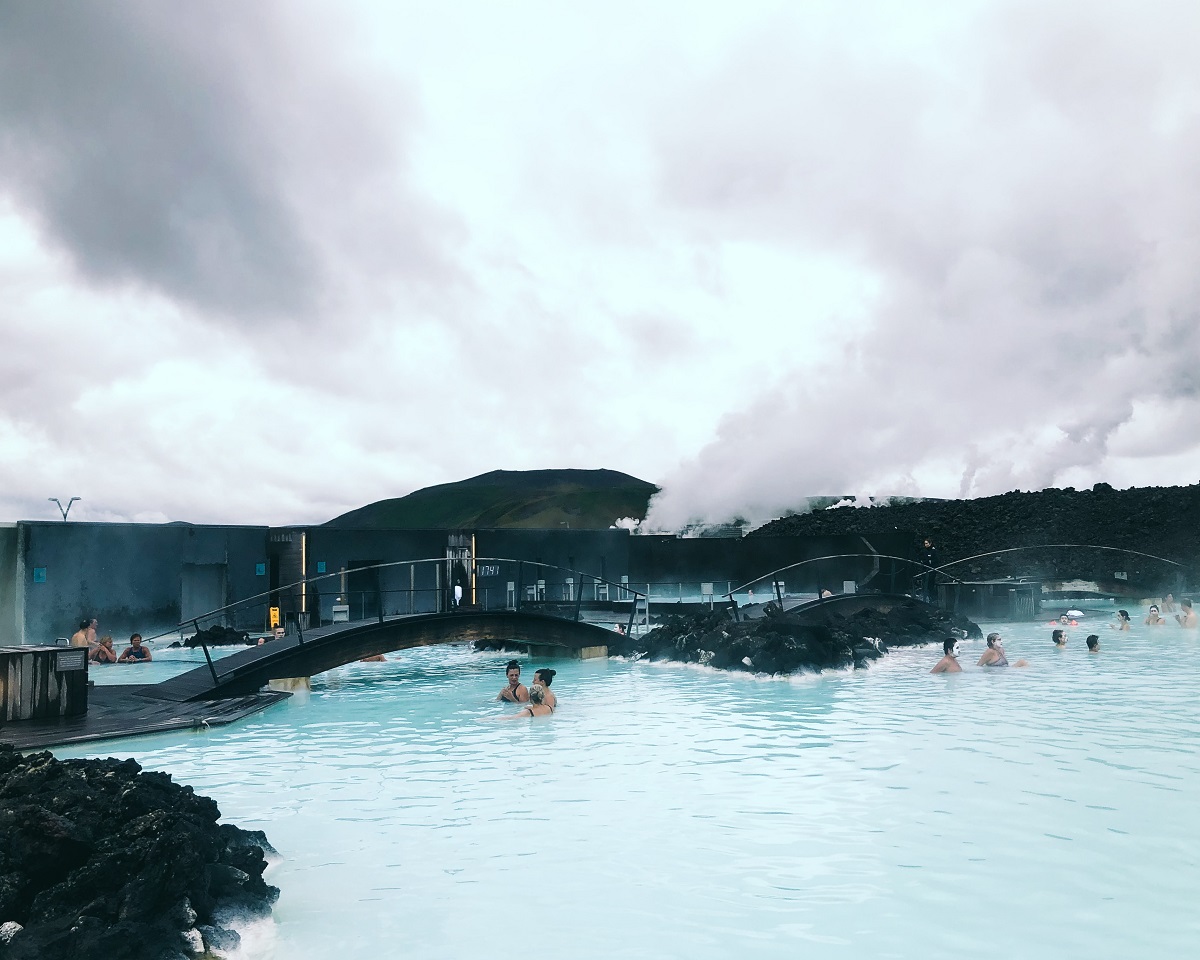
102	861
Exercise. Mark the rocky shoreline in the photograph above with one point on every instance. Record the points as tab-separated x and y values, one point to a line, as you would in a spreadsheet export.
100	860
784	643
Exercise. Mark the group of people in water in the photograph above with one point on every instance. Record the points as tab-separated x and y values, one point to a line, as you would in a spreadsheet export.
538	699
100	649
994	655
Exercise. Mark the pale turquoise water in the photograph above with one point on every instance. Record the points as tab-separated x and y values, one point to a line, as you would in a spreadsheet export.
668	811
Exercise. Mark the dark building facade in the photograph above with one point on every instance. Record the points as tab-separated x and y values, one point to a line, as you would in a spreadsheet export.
152	578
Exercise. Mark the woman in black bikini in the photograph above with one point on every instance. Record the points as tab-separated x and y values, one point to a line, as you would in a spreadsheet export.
537	706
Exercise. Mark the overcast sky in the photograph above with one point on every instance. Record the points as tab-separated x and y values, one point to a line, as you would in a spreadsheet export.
264	263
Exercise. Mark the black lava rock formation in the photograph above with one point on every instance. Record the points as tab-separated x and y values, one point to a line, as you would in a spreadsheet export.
218	636
1162	521
101	861
790	642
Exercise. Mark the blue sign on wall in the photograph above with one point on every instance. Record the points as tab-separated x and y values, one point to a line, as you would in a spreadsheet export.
260	569
39	574
320	566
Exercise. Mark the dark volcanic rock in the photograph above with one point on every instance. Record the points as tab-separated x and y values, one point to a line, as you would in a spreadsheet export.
789	643
100	861
218	636
1161	521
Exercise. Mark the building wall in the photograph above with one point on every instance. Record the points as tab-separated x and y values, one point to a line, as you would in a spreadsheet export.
127	575
10	632
134	576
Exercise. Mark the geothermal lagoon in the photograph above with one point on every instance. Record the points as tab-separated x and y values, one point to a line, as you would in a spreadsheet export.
673	811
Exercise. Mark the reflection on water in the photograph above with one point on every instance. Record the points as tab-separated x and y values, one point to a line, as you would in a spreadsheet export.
669	811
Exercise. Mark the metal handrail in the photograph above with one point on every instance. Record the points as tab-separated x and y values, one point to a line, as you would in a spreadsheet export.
1057	546
306	581
838	556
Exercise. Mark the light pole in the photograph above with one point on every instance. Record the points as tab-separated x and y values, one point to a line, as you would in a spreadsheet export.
61	509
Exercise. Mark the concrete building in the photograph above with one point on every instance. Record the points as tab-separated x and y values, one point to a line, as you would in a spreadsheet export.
151	578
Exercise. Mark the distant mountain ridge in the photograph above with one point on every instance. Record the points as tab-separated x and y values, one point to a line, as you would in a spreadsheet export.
539	499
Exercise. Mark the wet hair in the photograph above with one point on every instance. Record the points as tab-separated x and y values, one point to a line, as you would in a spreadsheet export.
1056	636
85	623
136	636
1093	641
992	638
948	644
544	676
1154	608
537	693
512	665
1123	614
1185	602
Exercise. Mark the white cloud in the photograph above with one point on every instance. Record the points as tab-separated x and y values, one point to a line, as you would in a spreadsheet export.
322	255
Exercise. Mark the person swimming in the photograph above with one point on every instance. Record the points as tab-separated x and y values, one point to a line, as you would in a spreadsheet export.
1168	604
994	656
537	706
1186	617
949	662
545	676
1153	618
1093	643
515	691
1060	639
1122	620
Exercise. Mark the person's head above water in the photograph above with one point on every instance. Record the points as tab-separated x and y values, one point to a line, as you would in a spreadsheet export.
1064	619
1058	637
544	676
537	693
1123	614
1093	643
512	670
994	640
1154	608
1185	602
950	647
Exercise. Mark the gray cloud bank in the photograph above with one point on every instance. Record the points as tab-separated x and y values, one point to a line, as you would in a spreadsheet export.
205	151
1028	201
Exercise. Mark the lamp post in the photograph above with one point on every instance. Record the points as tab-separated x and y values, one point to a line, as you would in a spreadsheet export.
61	509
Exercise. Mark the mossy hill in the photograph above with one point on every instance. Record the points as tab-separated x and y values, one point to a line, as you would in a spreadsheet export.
541	499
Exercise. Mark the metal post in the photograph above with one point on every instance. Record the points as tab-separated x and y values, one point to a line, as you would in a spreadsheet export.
632	611
779	593
520	582
579	599
379	598
211	668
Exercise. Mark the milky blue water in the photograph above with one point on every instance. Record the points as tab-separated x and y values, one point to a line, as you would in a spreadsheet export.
668	811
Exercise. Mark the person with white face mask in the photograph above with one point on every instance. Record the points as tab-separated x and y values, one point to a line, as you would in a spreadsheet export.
949	662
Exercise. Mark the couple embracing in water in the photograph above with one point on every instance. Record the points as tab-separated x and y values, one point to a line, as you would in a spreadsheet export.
993	656
540	702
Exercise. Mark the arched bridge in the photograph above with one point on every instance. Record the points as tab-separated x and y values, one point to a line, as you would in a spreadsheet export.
328	647
579	621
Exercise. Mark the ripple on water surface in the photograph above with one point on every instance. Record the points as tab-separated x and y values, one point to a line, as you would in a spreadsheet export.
671	811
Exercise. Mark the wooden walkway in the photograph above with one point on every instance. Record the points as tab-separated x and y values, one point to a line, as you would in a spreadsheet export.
129	710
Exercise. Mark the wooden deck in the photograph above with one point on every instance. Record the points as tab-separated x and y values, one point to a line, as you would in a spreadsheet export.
125	710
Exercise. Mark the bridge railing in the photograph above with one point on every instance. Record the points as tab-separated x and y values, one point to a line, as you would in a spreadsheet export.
810	579
376	591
